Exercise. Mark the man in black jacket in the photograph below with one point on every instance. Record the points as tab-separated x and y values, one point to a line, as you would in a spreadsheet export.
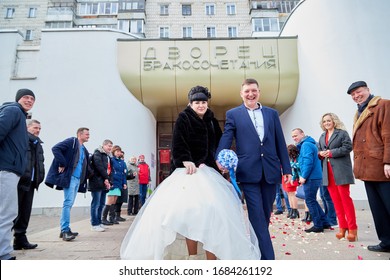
32	177
13	149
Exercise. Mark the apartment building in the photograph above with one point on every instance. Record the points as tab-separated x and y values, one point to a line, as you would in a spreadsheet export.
148	19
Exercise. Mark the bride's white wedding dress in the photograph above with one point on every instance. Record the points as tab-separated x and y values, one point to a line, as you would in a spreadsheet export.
204	207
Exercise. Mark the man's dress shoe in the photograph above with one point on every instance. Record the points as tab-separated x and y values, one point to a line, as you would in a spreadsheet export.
25	246
378	248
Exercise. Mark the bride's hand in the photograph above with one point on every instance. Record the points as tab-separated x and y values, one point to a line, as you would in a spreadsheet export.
190	167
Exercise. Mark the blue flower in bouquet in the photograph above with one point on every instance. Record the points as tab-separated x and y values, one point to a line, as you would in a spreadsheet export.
228	159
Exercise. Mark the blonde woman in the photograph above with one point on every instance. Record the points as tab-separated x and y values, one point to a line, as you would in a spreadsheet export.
335	147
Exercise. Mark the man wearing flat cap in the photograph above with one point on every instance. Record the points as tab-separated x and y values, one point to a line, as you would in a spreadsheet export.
13	154
371	148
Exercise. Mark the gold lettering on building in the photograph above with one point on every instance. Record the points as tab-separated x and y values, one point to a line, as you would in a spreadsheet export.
221	59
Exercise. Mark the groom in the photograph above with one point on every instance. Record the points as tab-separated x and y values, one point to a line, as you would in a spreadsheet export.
262	158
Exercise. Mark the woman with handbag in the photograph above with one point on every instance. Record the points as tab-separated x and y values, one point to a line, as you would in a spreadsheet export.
335	147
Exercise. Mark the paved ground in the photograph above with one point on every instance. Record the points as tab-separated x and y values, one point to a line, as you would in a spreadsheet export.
289	239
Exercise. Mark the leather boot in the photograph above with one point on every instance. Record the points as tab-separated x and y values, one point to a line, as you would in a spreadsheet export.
104	216
21	242
306	216
112	218
309	219
352	235
67	236
118	217
341	233
295	214
289	213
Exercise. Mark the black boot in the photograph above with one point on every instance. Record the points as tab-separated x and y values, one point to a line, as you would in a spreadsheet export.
21	242
306	216
297	212
112	218
118	217
294	214
104	216
309	220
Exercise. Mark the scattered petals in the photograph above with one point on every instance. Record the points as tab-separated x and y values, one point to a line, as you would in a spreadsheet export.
351	246
287	253
360	257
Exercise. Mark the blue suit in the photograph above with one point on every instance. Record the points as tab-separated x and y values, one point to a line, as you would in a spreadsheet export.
260	166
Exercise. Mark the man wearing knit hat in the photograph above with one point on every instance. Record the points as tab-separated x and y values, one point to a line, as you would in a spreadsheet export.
13	154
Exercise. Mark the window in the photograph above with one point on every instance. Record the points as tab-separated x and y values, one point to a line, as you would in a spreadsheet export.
58	24
210	9
108	8
186	10
88	8
266	25
164	10
187	32
137	26
164	32
32	12
10	13
230	9
128	5
232	31
124	25
28	35
286	6
211	32
132	26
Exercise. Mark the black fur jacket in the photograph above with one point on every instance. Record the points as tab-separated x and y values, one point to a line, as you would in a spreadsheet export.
195	139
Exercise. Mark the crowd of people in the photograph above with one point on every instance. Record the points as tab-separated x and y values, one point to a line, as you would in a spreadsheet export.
198	196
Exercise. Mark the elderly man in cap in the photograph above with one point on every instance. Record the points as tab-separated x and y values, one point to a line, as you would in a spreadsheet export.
371	148
13	154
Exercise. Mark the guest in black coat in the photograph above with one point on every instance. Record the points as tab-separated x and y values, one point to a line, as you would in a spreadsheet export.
99	184
28	183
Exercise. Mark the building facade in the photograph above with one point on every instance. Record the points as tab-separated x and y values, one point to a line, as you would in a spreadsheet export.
148	19
74	71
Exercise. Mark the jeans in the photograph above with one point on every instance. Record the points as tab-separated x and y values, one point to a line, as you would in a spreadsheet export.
278	199
311	187
8	211
69	198
328	205
97	205
142	192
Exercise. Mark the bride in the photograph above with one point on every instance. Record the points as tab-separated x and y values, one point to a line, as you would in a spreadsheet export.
195	213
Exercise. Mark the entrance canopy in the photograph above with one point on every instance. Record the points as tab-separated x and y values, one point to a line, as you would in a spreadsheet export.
159	73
